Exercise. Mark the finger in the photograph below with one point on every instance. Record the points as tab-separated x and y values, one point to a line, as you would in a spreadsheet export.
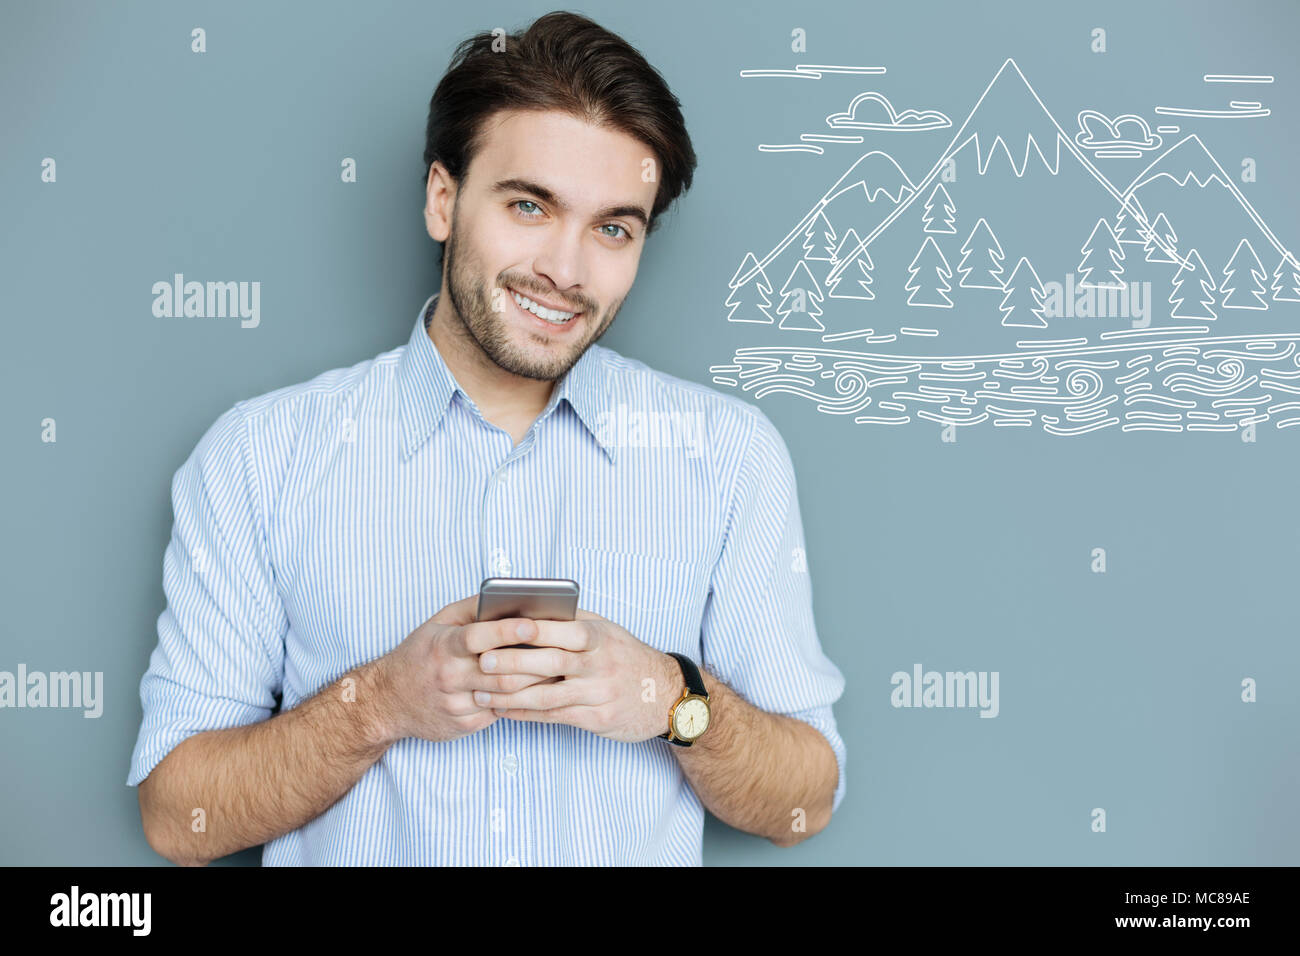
582	615
545	661
578	716
459	613
576	635
485	635
565	693
505	683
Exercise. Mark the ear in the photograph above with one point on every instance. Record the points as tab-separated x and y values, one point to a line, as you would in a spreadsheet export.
439	202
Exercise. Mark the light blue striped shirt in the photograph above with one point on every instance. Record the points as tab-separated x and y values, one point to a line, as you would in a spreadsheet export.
317	525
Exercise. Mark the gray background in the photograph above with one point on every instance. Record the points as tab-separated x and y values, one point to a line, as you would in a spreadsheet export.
1119	690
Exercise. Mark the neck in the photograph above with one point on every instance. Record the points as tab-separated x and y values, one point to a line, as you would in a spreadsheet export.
501	396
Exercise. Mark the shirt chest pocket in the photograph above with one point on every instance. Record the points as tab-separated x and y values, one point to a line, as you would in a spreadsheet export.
658	600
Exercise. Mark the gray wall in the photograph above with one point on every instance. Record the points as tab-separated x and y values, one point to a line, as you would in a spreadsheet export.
1119	690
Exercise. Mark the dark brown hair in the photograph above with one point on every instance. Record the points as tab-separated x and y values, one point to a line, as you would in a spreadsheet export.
563	61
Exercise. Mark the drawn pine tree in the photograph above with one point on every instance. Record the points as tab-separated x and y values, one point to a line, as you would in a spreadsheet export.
1201	291
826	243
1022	305
857	289
1102	252
928	276
1160	229
939	197
800	301
1286	280
987	275
1243	280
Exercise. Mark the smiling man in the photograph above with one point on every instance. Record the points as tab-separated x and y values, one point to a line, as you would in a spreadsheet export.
330	538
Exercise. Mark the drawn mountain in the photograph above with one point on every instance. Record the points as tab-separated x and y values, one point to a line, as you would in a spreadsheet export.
852	206
1204	206
1010	173
926	264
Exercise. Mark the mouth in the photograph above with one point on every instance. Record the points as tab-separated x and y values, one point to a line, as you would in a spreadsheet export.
551	320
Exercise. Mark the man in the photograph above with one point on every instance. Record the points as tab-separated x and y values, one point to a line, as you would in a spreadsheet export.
317	527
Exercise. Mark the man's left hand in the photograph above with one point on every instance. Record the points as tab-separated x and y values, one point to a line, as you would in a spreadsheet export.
611	683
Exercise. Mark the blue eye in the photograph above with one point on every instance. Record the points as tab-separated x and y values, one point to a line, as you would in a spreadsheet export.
625	238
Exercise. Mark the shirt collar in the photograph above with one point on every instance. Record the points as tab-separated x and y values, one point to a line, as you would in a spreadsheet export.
426	386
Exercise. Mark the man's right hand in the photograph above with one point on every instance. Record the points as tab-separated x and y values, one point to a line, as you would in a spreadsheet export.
428	681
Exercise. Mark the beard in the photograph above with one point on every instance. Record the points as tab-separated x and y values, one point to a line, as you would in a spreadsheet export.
471	300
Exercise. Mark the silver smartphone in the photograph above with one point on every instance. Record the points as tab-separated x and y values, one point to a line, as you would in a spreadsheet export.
541	599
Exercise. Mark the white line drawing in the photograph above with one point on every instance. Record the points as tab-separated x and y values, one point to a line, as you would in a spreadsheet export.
1102	245
1097	130
812	71
1232	113
1197	301
859	290
928	277
1243	279
801	301
1011	84
1024	286
981	238
938	213
789	148
1286	289
1089	388
875	177
906	121
1236	78
819	238
1186	161
1153	252
1163	374
828	138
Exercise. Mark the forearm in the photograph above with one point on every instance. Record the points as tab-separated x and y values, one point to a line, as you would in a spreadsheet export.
257	782
753	770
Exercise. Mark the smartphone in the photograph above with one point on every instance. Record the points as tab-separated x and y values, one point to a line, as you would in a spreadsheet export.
542	599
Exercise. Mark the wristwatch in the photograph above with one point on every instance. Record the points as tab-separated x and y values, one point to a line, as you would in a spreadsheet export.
688	718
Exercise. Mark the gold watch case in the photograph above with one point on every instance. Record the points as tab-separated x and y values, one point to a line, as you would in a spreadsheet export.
690	717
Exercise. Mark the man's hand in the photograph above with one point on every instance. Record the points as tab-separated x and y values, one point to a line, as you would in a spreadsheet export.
426	681
609	683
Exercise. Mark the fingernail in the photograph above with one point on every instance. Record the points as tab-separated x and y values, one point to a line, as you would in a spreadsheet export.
524	629
489	661
481	698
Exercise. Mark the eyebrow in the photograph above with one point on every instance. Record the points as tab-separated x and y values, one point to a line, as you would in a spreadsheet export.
546	195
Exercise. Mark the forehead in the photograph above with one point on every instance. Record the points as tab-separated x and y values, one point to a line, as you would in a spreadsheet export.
586	164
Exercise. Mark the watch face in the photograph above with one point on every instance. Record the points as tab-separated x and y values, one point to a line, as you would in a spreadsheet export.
690	718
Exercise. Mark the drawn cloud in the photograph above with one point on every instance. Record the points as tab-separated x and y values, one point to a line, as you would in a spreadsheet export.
1098	131
883	116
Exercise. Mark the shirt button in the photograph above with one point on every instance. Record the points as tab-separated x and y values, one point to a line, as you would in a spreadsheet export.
510	764
512	862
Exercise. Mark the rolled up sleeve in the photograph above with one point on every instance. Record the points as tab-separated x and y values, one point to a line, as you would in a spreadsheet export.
758	631
219	661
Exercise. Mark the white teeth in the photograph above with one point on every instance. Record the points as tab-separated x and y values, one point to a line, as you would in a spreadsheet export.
550	315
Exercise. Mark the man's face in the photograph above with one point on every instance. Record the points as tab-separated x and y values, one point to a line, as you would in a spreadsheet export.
576	249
